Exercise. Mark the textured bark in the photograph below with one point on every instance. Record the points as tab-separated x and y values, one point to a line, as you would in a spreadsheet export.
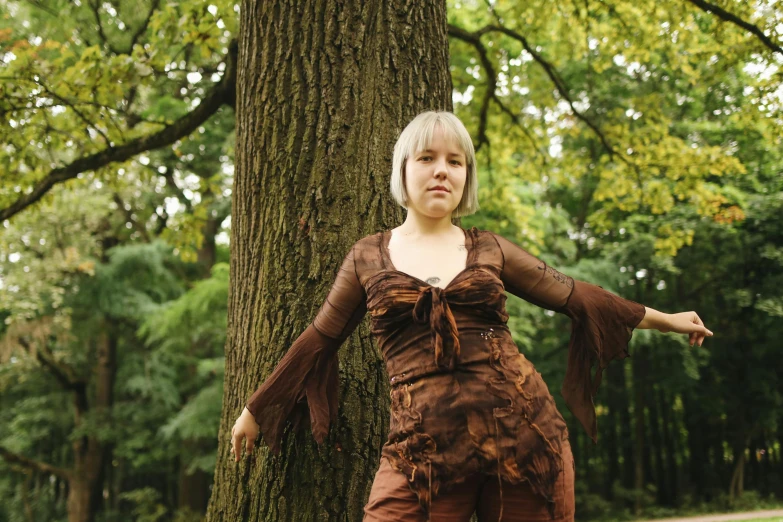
323	91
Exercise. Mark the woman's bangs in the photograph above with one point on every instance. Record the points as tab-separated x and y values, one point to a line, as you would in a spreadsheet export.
421	139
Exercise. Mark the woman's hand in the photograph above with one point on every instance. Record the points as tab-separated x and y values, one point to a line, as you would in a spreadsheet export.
689	323
244	427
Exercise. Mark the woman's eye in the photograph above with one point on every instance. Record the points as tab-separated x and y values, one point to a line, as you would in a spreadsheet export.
457	162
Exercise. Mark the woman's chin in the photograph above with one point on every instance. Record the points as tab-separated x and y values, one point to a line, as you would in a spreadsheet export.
438	211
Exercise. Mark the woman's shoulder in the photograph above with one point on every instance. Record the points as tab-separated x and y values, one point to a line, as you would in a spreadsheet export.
370	238
485	235
368	245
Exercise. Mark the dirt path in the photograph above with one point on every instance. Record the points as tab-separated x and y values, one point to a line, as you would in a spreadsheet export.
721	518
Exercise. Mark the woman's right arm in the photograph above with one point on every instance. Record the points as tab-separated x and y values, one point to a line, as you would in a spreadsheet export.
308	371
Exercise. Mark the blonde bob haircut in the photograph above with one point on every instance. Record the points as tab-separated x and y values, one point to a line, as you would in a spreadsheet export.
417	136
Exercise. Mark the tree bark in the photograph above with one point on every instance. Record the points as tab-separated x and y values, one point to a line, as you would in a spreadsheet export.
323	91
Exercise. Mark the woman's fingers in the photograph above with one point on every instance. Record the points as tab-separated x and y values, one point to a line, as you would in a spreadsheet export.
236	446
695	319
691	324
701	332
705	333
699	337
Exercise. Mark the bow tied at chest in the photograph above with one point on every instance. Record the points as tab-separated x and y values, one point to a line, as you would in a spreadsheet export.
433	308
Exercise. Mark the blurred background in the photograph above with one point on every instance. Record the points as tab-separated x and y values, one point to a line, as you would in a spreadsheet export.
636	145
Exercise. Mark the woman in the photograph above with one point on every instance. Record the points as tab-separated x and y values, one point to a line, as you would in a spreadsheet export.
473	425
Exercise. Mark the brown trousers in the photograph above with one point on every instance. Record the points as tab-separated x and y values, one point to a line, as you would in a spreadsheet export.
392	500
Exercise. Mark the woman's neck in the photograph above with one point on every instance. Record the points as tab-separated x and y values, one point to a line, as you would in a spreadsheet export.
416	225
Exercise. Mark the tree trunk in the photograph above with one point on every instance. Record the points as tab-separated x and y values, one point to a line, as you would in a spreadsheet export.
207	253
698	448
626	439
192	488
587	470
90	455
779	462
615	391
752	475
639	378
323	90
737	484
669	434
765	469
656	444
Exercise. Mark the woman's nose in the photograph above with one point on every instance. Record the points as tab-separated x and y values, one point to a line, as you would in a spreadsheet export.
440	166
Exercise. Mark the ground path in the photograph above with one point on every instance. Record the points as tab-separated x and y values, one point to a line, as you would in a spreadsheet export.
730	516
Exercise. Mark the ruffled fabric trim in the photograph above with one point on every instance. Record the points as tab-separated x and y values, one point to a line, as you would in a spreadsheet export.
601	328
411	454
543	464
306	378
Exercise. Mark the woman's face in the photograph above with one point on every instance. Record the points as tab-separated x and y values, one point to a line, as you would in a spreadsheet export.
442	165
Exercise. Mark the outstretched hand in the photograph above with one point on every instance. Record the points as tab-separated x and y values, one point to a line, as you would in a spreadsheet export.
245	430
688	323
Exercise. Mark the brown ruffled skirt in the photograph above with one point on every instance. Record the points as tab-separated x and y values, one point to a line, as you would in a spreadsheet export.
392	499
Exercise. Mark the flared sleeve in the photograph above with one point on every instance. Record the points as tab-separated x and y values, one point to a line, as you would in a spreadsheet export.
602	323
306	378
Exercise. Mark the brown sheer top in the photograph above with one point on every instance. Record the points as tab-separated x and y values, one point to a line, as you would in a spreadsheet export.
463	399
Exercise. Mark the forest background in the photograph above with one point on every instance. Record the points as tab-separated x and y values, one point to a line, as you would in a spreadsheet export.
636	145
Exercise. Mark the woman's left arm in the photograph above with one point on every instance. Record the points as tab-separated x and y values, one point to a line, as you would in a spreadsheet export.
683	322
602	323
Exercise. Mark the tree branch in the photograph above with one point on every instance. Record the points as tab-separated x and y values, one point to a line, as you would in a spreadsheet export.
95	7
42	7
34	465
63	373
143	27
475	40
516	119
171	183
224	93
129	217
560	85
729	17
